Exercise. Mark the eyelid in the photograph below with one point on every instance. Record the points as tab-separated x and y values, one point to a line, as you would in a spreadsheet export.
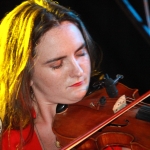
56	64
82	52
54	60
57	67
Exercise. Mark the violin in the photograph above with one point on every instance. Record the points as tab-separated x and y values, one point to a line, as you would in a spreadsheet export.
91	124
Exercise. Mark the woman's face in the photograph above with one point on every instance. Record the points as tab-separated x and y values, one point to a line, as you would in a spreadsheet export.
62	68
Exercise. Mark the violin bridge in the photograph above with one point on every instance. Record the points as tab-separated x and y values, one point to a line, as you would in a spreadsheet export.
120	103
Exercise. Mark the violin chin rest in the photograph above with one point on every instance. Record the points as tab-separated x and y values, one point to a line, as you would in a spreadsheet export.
61	108
144	113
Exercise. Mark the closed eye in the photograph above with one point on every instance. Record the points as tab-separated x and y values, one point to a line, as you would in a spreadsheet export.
56	64
82	52
56	67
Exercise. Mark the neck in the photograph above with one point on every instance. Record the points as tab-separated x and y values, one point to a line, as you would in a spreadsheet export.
45	112
43	125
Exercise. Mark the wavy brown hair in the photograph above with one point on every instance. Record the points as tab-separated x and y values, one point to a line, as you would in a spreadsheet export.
20	31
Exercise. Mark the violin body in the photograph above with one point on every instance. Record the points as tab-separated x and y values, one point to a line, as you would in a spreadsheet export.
125	131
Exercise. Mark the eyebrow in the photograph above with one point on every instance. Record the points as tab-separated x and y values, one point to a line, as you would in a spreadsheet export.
62	57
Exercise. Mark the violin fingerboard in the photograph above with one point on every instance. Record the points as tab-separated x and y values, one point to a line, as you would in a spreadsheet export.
144	113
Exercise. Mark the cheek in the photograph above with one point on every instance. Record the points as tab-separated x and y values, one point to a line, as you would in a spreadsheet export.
46	78
86	65
41	77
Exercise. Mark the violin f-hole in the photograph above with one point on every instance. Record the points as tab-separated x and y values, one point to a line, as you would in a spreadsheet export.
119	125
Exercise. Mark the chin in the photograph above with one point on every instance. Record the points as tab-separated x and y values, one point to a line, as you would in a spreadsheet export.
79	95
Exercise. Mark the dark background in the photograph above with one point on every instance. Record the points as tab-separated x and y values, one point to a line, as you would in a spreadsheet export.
125	50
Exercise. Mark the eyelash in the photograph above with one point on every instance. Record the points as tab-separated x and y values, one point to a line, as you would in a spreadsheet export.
57	67
83	54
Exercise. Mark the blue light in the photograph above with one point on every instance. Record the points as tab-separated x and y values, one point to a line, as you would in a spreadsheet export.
137	16
132	10
147	30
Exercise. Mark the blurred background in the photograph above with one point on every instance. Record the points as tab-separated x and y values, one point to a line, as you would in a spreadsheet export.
121	28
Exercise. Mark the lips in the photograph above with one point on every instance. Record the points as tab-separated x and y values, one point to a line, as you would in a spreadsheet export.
77	84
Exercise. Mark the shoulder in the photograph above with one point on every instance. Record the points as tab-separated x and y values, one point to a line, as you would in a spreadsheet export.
11	139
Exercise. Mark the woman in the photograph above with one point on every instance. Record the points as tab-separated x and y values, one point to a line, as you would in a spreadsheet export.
46	59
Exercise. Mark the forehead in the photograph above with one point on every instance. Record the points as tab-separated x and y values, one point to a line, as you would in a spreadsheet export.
66	35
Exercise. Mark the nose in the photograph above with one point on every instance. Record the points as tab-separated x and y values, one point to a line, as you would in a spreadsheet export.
76	69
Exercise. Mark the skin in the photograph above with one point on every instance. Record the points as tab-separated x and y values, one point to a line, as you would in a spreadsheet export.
61	74
52	79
